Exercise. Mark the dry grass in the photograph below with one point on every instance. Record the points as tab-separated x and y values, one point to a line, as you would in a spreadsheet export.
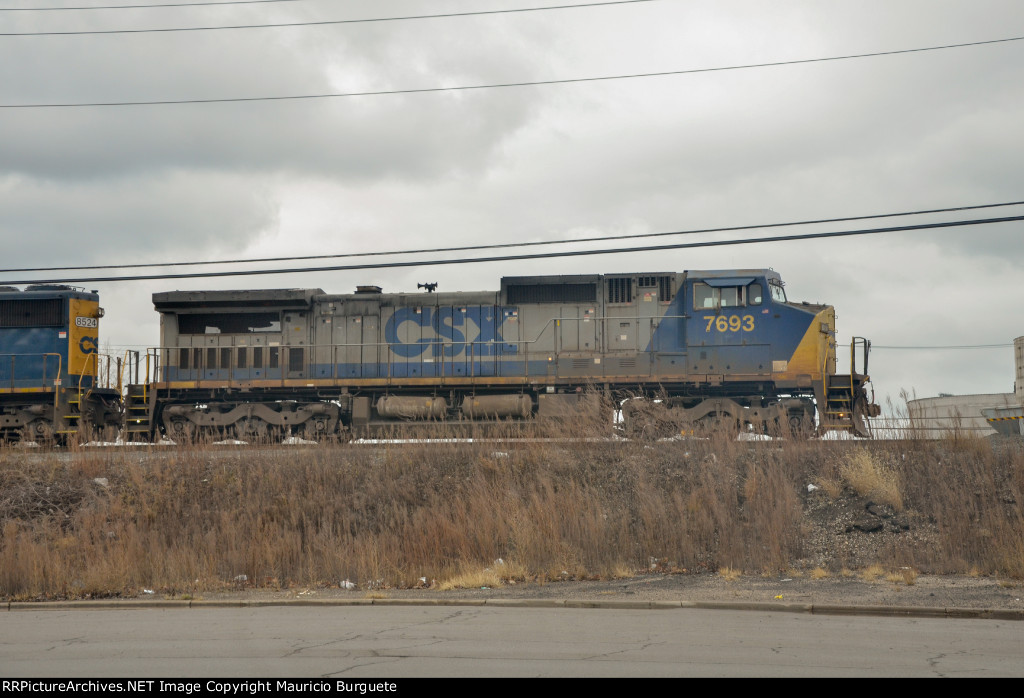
496	575
184	521
872	573
863	472
819	573
833	487
472	579
904	575
622	571
729	574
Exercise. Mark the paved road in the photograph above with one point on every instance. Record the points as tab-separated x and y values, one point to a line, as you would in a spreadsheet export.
412	641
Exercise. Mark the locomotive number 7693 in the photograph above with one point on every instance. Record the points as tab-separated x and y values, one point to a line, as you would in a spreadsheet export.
733	323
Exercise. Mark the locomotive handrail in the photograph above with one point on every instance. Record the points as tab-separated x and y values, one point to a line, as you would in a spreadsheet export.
95	358
866	345
42	383
126	365
44	356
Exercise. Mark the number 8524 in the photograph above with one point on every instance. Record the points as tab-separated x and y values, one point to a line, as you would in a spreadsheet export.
733	323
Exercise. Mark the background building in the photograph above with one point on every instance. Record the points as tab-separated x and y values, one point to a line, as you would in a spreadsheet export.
936	417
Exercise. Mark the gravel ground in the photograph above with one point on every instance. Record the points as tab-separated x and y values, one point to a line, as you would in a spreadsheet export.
931	591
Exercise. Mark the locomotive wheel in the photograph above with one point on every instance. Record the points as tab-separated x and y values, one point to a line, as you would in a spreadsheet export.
645	420
313	430
251	429
181	431
40	431
801	427
719	424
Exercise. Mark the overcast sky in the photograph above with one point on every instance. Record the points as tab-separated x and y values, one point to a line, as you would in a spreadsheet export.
193	182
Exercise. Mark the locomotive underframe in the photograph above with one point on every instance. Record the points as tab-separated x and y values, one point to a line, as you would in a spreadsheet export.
46	416
318	411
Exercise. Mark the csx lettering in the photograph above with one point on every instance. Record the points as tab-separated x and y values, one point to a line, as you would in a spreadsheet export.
731	323
86	322
452	328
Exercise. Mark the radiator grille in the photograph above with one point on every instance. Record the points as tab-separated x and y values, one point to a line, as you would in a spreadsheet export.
620	290
36	312
552	293
662	283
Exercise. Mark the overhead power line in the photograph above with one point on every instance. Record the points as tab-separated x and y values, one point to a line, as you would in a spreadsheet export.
511	258
533	83
467	248
143	7
321	23
945	346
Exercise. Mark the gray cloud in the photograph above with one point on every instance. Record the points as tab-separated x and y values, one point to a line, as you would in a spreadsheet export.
139	219
829	139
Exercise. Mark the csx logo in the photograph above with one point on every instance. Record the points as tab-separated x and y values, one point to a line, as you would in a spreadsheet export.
87	322
452	329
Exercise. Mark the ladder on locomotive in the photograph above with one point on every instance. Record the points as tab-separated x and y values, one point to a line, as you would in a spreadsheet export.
840	392
137	396
71	417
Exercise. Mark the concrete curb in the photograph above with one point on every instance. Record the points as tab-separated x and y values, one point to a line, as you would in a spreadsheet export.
820	609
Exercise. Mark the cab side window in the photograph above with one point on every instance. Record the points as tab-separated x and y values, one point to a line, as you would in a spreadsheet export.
704	297
754	294
707	297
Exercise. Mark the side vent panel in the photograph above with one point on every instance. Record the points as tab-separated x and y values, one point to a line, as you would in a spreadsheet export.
620	290
552	293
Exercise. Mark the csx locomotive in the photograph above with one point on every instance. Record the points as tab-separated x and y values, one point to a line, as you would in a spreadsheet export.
49	387
710	347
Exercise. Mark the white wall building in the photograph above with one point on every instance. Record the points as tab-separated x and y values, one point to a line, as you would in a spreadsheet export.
937	417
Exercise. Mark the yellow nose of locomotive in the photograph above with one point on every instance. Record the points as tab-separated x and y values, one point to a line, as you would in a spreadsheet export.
815	355
83	337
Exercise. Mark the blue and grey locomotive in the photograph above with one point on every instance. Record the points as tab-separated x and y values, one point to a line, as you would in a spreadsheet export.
49	388
705	346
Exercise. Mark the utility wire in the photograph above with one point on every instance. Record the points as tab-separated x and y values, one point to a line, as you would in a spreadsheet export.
946	346
467	248
322	23
510	258
142	7
533	83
